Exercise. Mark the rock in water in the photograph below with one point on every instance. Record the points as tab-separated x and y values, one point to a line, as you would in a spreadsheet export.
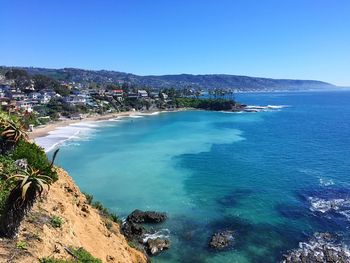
139	216
155	246
133	231
221	240
321	248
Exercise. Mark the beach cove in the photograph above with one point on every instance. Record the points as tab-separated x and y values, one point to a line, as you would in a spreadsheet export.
267	175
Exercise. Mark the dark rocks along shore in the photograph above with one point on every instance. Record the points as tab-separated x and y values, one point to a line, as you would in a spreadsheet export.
322	248
135	232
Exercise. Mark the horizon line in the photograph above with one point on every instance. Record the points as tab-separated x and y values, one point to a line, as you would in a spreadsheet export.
171	74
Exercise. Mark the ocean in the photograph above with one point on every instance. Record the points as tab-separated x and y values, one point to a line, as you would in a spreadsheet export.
274	177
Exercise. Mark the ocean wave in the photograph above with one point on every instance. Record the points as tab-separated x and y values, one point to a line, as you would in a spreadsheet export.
85	124
277	106
319	248
326	182
135	116
114	120
340	206
149	113
56	138
163	233
258	108
232	112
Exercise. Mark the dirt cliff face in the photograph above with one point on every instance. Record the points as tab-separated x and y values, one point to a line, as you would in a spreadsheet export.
82	226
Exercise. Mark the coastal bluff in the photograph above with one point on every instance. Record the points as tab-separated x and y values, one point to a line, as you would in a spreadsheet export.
82	226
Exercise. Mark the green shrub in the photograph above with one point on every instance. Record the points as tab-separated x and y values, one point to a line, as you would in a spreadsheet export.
98	205
115	218
205	104
56	221
36	158
21	245
80	256
7	169
132	244
84	256
4	194
89	198
105	212
52	260
109	225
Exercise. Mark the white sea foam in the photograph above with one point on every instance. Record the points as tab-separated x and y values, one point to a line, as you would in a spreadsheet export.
258	108
135	116
345	213
85	124
163	233
339	206
232	112
148	114
326	182
114	120
277	106
76	131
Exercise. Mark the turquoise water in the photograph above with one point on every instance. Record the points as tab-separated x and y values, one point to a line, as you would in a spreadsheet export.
270	176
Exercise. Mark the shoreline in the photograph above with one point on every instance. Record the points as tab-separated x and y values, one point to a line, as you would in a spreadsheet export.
44	130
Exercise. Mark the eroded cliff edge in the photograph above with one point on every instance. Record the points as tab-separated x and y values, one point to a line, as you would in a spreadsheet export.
82	226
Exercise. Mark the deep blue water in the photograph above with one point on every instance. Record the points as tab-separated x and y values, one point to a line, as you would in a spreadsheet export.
273	177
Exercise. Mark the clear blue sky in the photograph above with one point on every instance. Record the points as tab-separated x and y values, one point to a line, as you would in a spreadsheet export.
306	39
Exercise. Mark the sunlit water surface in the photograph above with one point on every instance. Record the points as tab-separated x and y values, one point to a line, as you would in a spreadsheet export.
269	176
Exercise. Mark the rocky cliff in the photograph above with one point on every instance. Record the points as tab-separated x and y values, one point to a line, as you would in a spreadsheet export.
63	219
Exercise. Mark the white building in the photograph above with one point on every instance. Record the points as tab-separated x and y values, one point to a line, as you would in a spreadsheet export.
142	93
75	100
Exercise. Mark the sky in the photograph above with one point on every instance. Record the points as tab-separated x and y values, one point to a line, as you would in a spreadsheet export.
298	39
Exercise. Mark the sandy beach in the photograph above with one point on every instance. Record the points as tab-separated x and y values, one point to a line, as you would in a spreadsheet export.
44	130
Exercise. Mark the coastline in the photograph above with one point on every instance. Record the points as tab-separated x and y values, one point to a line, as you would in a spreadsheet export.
44	130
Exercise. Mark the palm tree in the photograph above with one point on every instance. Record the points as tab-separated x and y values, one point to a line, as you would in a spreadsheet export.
28	185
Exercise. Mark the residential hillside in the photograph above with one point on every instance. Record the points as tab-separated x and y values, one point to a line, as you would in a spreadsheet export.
61	220
212	81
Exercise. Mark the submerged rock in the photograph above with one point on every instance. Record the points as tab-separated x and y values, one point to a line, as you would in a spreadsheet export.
221	240
139	216
321	248
155	246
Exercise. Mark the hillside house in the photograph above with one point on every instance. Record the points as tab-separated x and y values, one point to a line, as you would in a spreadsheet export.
75	100
142	94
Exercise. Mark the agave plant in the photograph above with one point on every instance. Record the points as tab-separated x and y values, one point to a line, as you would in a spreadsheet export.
12	131
28	185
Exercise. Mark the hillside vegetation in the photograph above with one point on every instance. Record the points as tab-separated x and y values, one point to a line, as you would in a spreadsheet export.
43	215
209	81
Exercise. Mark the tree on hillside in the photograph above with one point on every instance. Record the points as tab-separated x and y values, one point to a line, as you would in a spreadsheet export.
44	82
112	87
17	74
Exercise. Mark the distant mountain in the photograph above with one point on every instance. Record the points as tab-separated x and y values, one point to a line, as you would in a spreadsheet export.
212	81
